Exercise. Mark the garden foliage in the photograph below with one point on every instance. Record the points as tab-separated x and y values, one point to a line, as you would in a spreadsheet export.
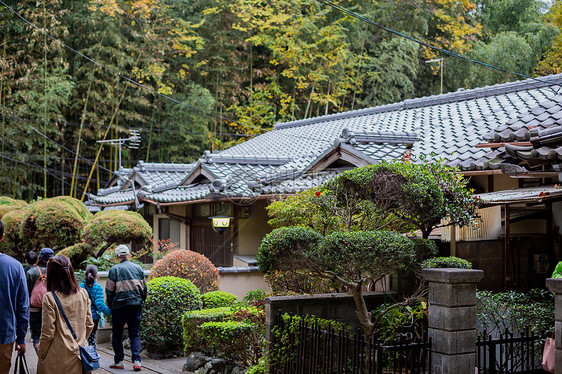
54	223
111	227
234	333
14	243
446	262
216	299
167	301
350	230
515	311
188	265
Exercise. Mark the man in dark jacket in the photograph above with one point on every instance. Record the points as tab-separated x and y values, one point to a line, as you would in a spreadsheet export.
14	308
32	275
126	291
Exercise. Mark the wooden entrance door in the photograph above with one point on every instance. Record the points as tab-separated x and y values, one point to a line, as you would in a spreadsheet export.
219	248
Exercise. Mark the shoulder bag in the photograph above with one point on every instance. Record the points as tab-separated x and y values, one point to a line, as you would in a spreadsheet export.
21	364
88	355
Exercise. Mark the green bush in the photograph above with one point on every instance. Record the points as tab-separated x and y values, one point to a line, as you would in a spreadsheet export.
167	301
515	311
255	297
188	265
54	223
216	299
111	227
260	368
446	262
191	322
283	341
235	341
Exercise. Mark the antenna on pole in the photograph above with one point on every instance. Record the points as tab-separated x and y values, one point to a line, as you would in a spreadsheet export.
132	142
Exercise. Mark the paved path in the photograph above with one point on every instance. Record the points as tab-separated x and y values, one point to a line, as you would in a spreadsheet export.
167	366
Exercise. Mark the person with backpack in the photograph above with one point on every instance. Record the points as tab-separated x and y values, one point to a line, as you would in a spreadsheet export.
37	287
95	291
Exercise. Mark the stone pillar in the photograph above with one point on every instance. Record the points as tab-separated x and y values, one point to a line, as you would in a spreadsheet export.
452	319
555	285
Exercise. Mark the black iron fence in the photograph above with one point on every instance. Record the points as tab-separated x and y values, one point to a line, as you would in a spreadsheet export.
301	347
509	353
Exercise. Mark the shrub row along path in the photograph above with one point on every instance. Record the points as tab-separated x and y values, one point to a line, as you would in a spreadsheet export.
166	366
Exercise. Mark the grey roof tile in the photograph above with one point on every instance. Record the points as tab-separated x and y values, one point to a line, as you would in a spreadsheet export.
446	126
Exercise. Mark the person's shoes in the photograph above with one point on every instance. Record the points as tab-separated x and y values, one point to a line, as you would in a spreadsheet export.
117	365
137	366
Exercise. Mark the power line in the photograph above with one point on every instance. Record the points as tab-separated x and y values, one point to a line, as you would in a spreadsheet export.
124	76
52	140
140	84
445	51
36	166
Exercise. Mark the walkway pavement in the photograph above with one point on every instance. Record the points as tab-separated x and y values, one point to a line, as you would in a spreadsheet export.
166	366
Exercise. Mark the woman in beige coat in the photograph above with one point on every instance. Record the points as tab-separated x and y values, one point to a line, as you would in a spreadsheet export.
58	350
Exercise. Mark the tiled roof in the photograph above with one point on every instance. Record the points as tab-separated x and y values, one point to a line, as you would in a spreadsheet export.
521	195
445	126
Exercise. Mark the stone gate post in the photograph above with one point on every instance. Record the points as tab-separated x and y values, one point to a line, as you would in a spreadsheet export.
555	285
452	319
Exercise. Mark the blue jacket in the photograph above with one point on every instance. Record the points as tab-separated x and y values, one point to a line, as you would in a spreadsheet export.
14	301
98	303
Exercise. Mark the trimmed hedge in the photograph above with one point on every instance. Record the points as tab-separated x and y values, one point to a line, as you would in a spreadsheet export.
191	322
233	340
217	299
167	301
446	262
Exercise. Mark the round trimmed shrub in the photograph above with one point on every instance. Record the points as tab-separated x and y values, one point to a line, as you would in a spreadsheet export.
116	226
13	243
217	299
55	223
167	301
77	253
446	262
188	265
7	204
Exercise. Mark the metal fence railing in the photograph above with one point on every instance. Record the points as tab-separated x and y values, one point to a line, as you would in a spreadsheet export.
509	353
307	348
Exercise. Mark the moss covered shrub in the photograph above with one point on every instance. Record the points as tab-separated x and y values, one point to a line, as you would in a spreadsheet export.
77	254
14	243
167	301
7	204
55	223
188	265
446	262
216	299
111	227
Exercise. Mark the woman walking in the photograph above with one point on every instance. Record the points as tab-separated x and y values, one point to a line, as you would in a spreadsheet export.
95	291
58	350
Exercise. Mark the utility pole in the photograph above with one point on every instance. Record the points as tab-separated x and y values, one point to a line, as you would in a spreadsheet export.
440	60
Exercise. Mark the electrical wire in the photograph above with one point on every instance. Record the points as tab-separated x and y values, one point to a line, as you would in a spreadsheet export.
52	140
143	86
445	51
121	75
36	166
